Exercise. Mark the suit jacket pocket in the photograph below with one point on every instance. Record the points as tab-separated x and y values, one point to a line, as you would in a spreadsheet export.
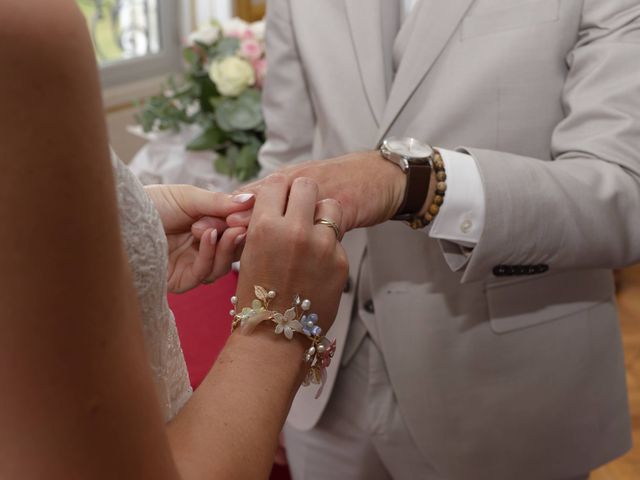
532	301
517	16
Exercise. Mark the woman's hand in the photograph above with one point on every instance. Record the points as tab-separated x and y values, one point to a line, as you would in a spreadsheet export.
286	251
201	245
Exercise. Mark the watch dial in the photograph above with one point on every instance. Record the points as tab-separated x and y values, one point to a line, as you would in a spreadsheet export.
409	147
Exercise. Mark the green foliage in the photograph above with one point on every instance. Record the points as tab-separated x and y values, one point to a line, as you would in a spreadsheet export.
233	127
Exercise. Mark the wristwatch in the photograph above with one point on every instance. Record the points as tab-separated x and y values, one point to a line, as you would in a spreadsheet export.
414	158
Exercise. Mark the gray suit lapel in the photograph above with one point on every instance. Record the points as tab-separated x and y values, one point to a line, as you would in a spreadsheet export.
365	19
435	23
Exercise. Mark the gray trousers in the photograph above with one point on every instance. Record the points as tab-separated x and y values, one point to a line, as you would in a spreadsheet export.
361	435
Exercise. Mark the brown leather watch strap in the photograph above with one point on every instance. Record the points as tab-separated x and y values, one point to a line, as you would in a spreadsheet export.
418	177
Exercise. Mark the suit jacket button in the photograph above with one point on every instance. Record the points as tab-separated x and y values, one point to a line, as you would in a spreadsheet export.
499	270
369	307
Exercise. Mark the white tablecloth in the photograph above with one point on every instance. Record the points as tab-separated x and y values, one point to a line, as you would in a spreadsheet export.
164	159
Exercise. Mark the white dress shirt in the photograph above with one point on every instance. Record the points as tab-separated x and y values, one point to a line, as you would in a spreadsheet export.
461	217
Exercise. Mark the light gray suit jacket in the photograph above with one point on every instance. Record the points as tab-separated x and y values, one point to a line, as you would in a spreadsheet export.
497	377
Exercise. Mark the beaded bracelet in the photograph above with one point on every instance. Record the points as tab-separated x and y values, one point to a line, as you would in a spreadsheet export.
296	319
441	187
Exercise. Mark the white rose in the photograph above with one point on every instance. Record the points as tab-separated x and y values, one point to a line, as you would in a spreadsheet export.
258	28
206	34
235	27
232	75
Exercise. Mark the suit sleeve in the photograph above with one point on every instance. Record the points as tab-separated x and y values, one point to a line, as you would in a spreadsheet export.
581	210
286	102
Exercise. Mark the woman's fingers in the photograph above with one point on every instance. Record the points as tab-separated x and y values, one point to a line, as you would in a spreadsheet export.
240	219
271	197
226	249
302	201
205	223
205	258
328	218
198	202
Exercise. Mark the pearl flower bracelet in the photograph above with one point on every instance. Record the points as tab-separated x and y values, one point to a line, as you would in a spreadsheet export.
297	319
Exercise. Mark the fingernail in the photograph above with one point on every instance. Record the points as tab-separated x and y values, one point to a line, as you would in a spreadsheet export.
240	239
214	237
243	197
200	224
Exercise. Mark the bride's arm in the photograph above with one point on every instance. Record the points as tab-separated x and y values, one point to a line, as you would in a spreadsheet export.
78	398
229	429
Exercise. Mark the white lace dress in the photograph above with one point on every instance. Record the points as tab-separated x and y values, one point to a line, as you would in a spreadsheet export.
146	246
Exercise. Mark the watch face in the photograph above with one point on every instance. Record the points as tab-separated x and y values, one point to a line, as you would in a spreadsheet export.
409	147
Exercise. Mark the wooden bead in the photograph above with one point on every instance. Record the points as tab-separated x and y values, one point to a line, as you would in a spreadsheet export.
438	200
441	186
434	209
428	217
438	165
441	176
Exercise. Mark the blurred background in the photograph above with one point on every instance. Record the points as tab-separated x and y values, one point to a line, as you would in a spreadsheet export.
139	44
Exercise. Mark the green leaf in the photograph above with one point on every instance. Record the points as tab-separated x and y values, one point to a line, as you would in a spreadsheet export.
191	57
242	113
205	90
225	47
221	165
211	138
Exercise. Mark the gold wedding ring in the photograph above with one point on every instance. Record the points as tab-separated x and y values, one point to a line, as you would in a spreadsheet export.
331	224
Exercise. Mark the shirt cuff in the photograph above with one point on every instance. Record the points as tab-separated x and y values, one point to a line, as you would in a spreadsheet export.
462	215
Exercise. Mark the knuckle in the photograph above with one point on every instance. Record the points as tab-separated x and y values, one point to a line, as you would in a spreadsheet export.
261	228
342	262
298	236
306	182
326	244
275	178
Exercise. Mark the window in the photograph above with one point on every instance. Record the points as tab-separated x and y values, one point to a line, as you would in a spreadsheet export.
133	39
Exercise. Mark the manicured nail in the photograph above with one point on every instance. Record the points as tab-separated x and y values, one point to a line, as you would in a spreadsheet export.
240	239
214	237
243	197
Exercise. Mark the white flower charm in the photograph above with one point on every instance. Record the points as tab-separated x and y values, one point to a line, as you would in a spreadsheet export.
287	323
232	75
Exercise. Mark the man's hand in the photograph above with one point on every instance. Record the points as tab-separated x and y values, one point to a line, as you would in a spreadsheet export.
201	244
369	188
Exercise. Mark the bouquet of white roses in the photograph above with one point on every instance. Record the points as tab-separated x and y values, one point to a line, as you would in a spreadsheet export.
220	93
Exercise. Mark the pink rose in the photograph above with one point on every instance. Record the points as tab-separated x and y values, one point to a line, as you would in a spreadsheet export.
251	49
260	67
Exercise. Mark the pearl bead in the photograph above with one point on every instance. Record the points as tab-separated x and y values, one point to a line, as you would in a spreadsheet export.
306	304
310	324
234	300
232	313
271	294
311	351
321	348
